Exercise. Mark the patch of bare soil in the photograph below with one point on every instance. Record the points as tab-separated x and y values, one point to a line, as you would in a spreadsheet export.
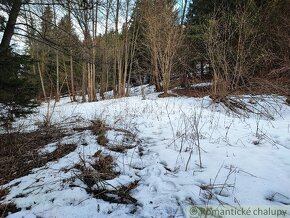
19	152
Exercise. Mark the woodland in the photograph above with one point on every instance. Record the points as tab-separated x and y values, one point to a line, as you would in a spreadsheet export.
143	108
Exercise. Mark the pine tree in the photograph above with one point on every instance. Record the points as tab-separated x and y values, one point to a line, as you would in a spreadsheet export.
18	86
141	60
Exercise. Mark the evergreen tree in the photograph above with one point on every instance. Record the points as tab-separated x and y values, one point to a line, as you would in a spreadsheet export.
203	12
67	38
141	61
18	86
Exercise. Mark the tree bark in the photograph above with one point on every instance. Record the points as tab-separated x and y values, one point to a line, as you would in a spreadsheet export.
9	29
41	81
84	82
57	97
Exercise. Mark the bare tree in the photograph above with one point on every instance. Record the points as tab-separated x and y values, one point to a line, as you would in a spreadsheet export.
124	56
71	57
230	39
163	39
86	16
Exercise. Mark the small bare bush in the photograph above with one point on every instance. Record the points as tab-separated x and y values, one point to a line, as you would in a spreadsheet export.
231	39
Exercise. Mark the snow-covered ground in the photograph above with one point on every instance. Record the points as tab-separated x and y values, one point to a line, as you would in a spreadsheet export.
245	161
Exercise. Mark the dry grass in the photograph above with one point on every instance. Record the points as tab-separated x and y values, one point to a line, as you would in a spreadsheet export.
3	193
19	152
105	164
120	195
288	100
100	170
6	208
99	128
95	175
102	139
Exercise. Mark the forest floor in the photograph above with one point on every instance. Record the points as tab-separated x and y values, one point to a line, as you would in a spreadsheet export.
152	157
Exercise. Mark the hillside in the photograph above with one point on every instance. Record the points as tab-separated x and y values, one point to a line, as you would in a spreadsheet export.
134	157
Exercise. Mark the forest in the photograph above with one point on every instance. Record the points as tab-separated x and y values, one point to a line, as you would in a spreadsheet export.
143	108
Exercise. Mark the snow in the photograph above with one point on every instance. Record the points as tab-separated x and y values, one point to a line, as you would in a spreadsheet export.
202	84
48	149
245	160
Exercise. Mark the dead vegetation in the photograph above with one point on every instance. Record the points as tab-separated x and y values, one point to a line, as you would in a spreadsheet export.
96	172
118	195
96	175
19	152
288	100
6	208
129	141
164	95
3	193
214	190
100	129
235	101
105	164
198	92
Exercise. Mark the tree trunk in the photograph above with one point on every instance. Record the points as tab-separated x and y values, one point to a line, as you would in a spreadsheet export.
66	79
71	58
9	29
84	82
57	78
41	81
116	59
156	75
89	80
93	66
72	79
115	73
